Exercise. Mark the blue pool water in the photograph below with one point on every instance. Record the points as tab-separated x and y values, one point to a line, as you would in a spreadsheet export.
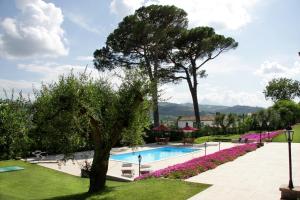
152	154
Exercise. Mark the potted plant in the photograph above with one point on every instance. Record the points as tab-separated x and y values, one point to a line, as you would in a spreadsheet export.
85	169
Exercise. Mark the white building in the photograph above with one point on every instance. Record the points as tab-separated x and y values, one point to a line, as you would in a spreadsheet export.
207	120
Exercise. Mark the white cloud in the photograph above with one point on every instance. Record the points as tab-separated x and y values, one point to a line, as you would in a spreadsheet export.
13	87
50	72
83	23
226	63
228	14
11	84
125	7
272	69
85	58
35	32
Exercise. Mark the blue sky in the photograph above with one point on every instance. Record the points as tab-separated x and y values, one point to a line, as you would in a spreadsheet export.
41	39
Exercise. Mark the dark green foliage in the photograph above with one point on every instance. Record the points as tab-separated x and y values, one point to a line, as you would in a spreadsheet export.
142	40
200	43
270	119
282	89
278	116
225	121
58	129
15	125
273	119
289	112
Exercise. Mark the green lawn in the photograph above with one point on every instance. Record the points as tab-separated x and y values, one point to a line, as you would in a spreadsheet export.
35	182
281	137
203	139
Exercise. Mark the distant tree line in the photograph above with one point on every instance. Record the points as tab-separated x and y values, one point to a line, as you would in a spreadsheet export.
278	116
284	112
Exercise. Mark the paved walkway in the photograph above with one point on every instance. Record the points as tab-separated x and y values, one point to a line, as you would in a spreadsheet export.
256	175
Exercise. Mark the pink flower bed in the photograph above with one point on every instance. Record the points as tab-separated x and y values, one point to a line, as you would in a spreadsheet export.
265	135
201	164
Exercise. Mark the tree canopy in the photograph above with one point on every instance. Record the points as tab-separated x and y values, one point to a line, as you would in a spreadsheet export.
58	129
142	40
282	89
192	50
289	112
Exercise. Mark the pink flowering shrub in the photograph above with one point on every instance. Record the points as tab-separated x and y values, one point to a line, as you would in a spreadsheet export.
265	135
201	164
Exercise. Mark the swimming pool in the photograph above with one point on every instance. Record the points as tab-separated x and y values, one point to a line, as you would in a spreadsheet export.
152	155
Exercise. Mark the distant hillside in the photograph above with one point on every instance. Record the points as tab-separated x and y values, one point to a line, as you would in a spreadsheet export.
173	110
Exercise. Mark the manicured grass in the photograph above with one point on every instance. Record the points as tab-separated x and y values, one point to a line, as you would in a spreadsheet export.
203	139
281	137
35	182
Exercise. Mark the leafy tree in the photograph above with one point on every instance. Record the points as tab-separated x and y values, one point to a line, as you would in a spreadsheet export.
193	49
142	41
274	119
288	110
249	123
263	119
15	124
219	120
270	119
254	122
111	115
56	129
242	123
225	121
282	89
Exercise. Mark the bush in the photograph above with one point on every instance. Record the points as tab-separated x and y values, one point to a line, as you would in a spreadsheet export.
58	130
15	124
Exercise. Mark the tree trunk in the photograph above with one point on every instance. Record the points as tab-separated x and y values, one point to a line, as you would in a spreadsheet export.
155	105
196	107
192	83
99	170
100	160
154	91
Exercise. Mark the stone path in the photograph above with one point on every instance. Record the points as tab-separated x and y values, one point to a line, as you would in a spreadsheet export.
256	175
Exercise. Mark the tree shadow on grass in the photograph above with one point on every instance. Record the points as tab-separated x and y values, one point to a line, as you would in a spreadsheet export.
86	195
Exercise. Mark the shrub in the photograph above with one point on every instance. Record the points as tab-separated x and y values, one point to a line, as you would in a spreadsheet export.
15	124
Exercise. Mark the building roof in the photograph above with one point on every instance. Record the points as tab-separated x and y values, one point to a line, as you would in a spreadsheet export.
202	118
161	128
